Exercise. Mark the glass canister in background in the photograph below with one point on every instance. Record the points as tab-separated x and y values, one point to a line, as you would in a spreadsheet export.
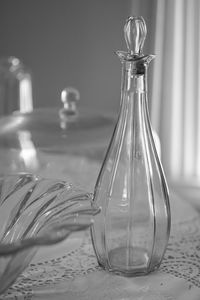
67	142
131	233
15	86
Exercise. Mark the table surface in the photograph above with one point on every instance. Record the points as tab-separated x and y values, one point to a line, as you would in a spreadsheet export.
69	270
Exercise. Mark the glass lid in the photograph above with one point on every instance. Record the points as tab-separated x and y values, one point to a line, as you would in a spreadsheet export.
67	142
57	130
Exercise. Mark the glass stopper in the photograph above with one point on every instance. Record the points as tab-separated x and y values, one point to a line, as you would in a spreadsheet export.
135	33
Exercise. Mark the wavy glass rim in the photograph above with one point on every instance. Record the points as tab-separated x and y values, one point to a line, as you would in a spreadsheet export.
71	218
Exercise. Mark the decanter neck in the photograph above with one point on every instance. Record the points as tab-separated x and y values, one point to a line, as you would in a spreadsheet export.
134	79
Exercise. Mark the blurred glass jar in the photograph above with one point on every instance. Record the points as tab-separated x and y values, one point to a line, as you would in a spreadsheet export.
66	143
15	86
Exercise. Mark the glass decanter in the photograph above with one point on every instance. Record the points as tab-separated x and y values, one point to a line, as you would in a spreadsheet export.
131	233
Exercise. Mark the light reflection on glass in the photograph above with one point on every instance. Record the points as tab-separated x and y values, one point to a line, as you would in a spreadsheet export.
12	124
28	152
25	94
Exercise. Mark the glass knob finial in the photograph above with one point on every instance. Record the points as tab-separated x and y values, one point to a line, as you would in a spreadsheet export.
69	112
135	33
70	96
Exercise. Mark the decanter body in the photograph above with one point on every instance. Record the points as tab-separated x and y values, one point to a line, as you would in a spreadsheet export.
131	233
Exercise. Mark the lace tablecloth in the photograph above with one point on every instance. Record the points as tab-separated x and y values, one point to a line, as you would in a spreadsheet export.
69	270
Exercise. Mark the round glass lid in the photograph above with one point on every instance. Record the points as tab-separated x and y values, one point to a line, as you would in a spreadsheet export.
67	142
67	129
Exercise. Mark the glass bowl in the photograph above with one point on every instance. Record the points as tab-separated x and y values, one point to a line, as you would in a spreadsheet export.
36	212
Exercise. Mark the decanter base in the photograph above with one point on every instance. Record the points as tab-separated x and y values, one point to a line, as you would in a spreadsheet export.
131	261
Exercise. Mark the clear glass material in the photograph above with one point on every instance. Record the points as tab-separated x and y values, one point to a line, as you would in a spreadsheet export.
35	212
131	233
75	138
15	86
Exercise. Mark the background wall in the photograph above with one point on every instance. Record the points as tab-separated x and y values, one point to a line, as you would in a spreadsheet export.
67	43
72	43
